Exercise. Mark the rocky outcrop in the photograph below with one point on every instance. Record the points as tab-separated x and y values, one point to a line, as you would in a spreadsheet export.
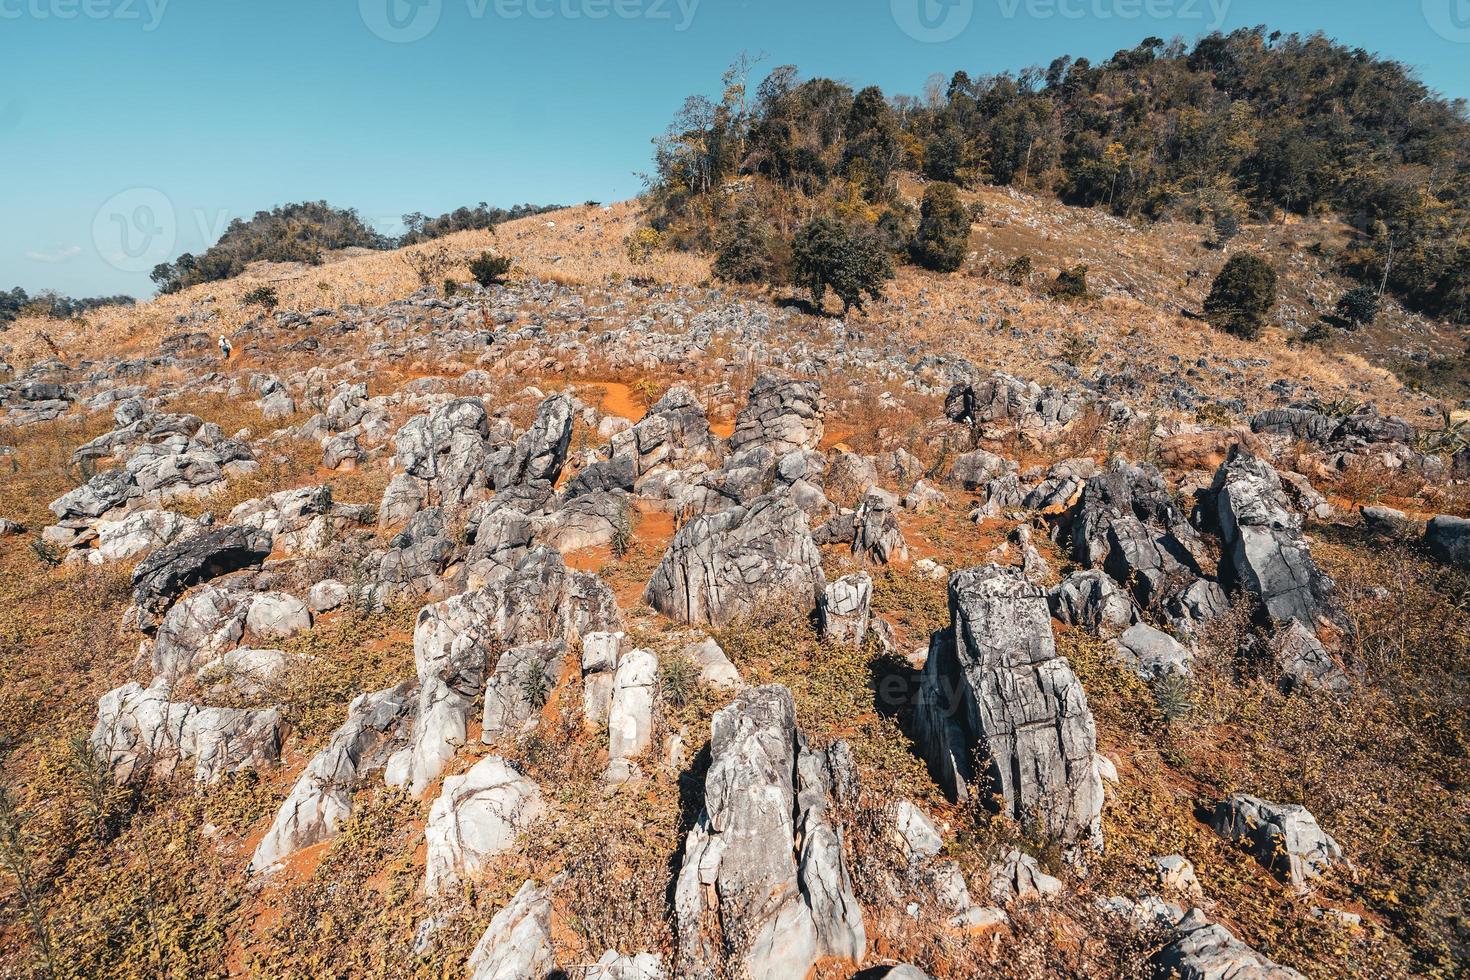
519	687
722	567
1448	539
167	573
1093	601
876	534
1204	951
1284	838
630	717
517	944
1151	653
782	416
1127	523
845	609
994	692
539	455
139	731
321	801
476	818
747	888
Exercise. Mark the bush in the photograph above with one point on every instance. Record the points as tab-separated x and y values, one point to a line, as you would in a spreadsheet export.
1018	273
743	253
1070	283
1242	294
852	262
421	228
1227	226
943	237
490	269
263	296
1358	306
641	245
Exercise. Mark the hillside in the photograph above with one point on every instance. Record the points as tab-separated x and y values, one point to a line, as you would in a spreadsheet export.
364	718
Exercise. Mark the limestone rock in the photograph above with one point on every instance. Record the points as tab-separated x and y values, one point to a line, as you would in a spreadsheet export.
845	609
517	944
477	817
721	568
995	689
1285	838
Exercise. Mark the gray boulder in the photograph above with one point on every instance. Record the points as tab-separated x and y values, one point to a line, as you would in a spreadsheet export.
746	889
1151	653
517	944
540	454
321	801
1448	539
781	416
994	692
167	573
1284	838
721	568
1201	951
523	679
477	818
1264	551
845	609
876	534
1093	601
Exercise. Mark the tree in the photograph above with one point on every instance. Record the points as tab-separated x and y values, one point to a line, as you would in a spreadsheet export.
943	238
1241	296
1358	306
850	261
744	253
490	269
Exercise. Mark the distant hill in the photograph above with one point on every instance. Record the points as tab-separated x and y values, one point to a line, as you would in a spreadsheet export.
1239	126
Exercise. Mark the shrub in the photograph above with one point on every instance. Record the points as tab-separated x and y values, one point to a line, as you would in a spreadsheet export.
641	244
490	269
1018	273
1070	283
678	680
743	253
262	296
1227	226
1358	306
1242	294
428	263
943	237
852	262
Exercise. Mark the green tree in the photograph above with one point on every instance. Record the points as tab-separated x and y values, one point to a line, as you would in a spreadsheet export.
852	262
1358	306
943	238
1241	296
744	253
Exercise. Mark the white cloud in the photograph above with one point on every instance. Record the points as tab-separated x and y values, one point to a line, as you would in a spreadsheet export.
63	254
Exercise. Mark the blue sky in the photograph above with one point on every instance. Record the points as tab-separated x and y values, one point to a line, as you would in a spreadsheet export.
132	130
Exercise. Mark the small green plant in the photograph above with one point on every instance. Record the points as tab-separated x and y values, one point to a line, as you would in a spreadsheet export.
1452	436
1077	350
263	296
48	554
490	269
641	244
1018	273
450	287
534	686
1174	694
678	680
622	540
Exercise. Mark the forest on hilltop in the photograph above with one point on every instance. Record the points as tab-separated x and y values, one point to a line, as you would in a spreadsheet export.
1249	125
